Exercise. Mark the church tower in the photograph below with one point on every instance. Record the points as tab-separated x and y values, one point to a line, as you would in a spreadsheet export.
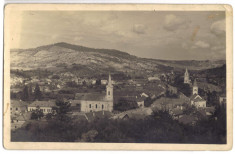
109	90
195	87
186	77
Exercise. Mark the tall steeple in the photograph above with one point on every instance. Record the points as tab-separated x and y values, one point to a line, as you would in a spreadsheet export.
195	87
186	77
109	89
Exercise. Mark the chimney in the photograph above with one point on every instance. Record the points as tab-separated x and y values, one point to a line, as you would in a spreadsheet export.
181	107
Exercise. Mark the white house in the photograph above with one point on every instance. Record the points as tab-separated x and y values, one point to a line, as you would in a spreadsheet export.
44	106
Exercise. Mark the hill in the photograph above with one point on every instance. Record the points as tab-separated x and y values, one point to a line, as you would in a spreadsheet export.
68	57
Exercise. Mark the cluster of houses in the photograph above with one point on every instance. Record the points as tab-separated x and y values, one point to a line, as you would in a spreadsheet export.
100	104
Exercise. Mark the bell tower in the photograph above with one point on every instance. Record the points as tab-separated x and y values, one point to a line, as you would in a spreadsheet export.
195	87
109	90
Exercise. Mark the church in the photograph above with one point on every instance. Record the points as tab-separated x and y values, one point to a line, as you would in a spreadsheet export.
196	99
93	102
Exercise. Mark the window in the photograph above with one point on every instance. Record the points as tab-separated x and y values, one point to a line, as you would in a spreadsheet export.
16	109
11	108
96	106
108	92
90	106
102	106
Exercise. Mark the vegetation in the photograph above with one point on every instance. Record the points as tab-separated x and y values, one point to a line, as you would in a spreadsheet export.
125	104
158	128
37	114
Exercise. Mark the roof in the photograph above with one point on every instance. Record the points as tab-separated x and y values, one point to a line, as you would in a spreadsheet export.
187	119
18	103
74	102
98	114
177	111
90	96
139	113
198	99
202	112
42	104
210	109
24	117
140	99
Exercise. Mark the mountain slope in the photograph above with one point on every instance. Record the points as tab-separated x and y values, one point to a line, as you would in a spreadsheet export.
67	56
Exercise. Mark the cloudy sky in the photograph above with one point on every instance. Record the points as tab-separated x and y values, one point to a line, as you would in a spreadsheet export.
150	34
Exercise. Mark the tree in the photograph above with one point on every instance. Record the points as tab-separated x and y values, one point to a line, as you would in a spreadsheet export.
25	94
98	82
61	109
37	114
37	93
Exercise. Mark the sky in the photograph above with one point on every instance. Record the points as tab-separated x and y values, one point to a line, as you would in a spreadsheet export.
181	35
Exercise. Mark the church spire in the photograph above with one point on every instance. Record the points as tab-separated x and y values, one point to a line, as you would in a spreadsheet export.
110	80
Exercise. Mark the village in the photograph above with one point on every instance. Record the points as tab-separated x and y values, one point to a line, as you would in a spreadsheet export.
127	98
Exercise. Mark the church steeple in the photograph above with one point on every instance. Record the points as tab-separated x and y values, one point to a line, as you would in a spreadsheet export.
186	77
195	87
109	89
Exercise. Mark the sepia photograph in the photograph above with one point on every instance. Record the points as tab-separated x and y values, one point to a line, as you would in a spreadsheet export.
145	75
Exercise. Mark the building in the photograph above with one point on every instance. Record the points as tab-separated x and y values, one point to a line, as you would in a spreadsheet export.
196	100
186	77
140	102
17	122
45	106
93	102
222	99
18	107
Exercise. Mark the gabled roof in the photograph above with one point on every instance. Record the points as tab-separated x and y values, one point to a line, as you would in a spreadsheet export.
42	104
17	103
24	117
90	96
198	99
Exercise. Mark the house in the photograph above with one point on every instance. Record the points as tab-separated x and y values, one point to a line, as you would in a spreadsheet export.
140	102
144	95
17	122
176	113
154	78
96	101
45	106
18	107
104	82
222	99
140	113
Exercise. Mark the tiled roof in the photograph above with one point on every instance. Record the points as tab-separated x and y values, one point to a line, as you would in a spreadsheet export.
24	117
42	104
17	103
177	111
140	113
90	96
